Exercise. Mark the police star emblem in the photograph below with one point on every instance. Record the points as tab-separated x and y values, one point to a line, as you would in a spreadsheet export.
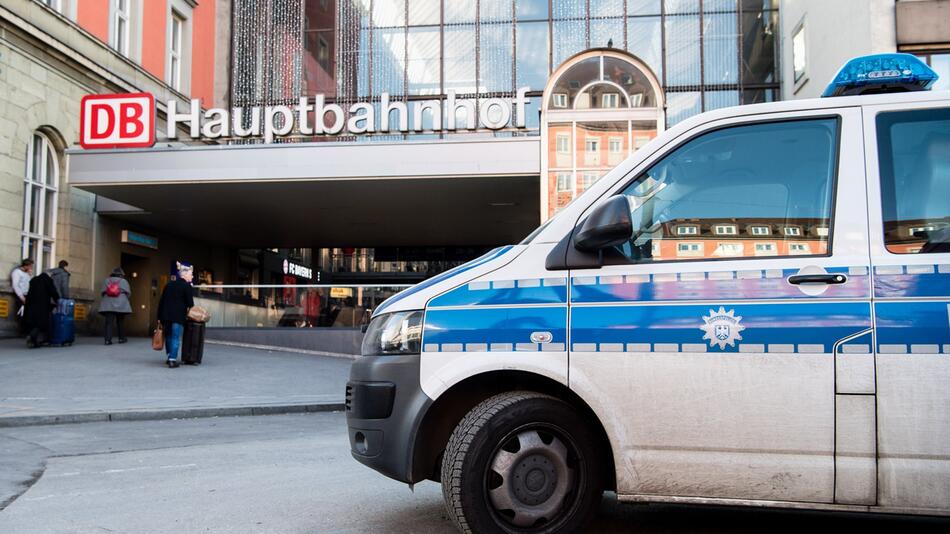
722	328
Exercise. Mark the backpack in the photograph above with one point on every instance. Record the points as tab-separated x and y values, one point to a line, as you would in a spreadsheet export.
113	289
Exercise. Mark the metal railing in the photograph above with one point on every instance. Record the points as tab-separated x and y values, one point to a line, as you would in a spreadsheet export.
292	306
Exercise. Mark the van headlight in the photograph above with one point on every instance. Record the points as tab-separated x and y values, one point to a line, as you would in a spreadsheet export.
393	334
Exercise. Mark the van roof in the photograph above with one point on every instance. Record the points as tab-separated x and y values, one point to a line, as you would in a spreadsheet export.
784	106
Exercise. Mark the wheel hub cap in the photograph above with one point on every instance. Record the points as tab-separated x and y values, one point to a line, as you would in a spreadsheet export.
534	480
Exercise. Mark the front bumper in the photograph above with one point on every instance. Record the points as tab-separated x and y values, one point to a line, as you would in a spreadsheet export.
385	406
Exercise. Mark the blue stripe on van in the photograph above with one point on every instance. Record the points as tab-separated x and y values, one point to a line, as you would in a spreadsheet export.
487	257
714	285
903	325
489	326
774	327
895	281
524	291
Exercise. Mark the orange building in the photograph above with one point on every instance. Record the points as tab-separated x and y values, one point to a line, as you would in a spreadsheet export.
173	40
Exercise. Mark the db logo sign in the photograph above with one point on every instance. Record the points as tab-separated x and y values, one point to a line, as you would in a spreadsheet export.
117	121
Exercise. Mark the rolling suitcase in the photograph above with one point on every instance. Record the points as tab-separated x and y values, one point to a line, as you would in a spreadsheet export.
63	324
193	343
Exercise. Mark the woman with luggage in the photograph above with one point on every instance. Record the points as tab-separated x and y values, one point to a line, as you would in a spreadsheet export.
115	304
177	299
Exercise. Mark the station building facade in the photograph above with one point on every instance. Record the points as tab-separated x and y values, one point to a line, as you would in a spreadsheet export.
497	113
52	54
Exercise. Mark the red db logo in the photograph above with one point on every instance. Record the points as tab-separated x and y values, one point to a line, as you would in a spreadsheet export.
117	121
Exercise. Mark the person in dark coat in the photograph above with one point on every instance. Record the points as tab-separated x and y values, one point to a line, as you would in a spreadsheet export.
39	305
177	299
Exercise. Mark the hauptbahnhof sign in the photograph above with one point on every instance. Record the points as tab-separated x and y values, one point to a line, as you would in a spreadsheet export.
127	120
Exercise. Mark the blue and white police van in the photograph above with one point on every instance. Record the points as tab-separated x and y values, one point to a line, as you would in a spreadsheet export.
754	309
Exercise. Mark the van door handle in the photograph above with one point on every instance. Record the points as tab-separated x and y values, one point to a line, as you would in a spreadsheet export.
798	279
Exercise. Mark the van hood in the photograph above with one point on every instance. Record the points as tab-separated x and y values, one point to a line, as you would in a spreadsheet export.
416	297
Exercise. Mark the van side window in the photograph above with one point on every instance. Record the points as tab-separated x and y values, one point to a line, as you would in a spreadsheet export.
746	191
914	156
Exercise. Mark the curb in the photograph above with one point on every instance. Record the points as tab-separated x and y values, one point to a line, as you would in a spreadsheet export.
281	349
175	413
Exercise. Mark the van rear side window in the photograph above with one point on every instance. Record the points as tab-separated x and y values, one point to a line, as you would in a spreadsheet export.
914	155
741	192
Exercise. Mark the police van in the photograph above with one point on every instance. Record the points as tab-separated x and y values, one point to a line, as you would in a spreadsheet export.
753	309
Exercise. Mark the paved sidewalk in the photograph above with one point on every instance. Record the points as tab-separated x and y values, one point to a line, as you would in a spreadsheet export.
93	382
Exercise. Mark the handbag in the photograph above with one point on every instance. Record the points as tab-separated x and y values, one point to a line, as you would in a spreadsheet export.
158	338
198	314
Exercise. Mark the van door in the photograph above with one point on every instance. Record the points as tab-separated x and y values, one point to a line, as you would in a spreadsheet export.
909	205
707	340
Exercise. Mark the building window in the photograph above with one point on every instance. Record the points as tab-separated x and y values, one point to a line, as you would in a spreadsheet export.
765	249
640	140
615	145
559	100
725	229
563	142
323	53
729	250
760	230
687	230
799	249
592	151
120	26
799	53
793	230
940	63
611	100
41	186
916	230
564	181
56	5
821	231
588	179
175	50
689	250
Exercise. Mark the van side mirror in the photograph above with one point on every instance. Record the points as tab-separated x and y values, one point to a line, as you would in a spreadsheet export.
608	225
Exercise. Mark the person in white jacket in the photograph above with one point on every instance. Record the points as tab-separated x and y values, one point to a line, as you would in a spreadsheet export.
20	280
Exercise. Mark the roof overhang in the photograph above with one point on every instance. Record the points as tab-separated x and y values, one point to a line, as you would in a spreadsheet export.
414	193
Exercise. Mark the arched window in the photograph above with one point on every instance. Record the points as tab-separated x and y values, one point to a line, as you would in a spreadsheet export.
40	195
599	107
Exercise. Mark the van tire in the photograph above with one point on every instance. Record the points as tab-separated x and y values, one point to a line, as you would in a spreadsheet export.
484	439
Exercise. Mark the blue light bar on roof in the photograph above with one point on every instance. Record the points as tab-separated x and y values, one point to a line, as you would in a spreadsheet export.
881	73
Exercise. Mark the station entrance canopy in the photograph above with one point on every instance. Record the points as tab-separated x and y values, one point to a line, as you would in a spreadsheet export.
481	191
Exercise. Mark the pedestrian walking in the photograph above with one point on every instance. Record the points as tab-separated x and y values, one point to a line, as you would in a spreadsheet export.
115	304
20	280
60	278
40	300
177	299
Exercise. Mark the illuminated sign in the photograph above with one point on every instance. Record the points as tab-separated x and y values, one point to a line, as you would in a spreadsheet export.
297	270
341	292
142	240
117	121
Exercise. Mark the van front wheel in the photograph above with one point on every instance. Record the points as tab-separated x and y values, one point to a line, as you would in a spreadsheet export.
521	462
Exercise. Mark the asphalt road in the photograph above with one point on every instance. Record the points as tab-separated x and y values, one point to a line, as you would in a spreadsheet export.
279	474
